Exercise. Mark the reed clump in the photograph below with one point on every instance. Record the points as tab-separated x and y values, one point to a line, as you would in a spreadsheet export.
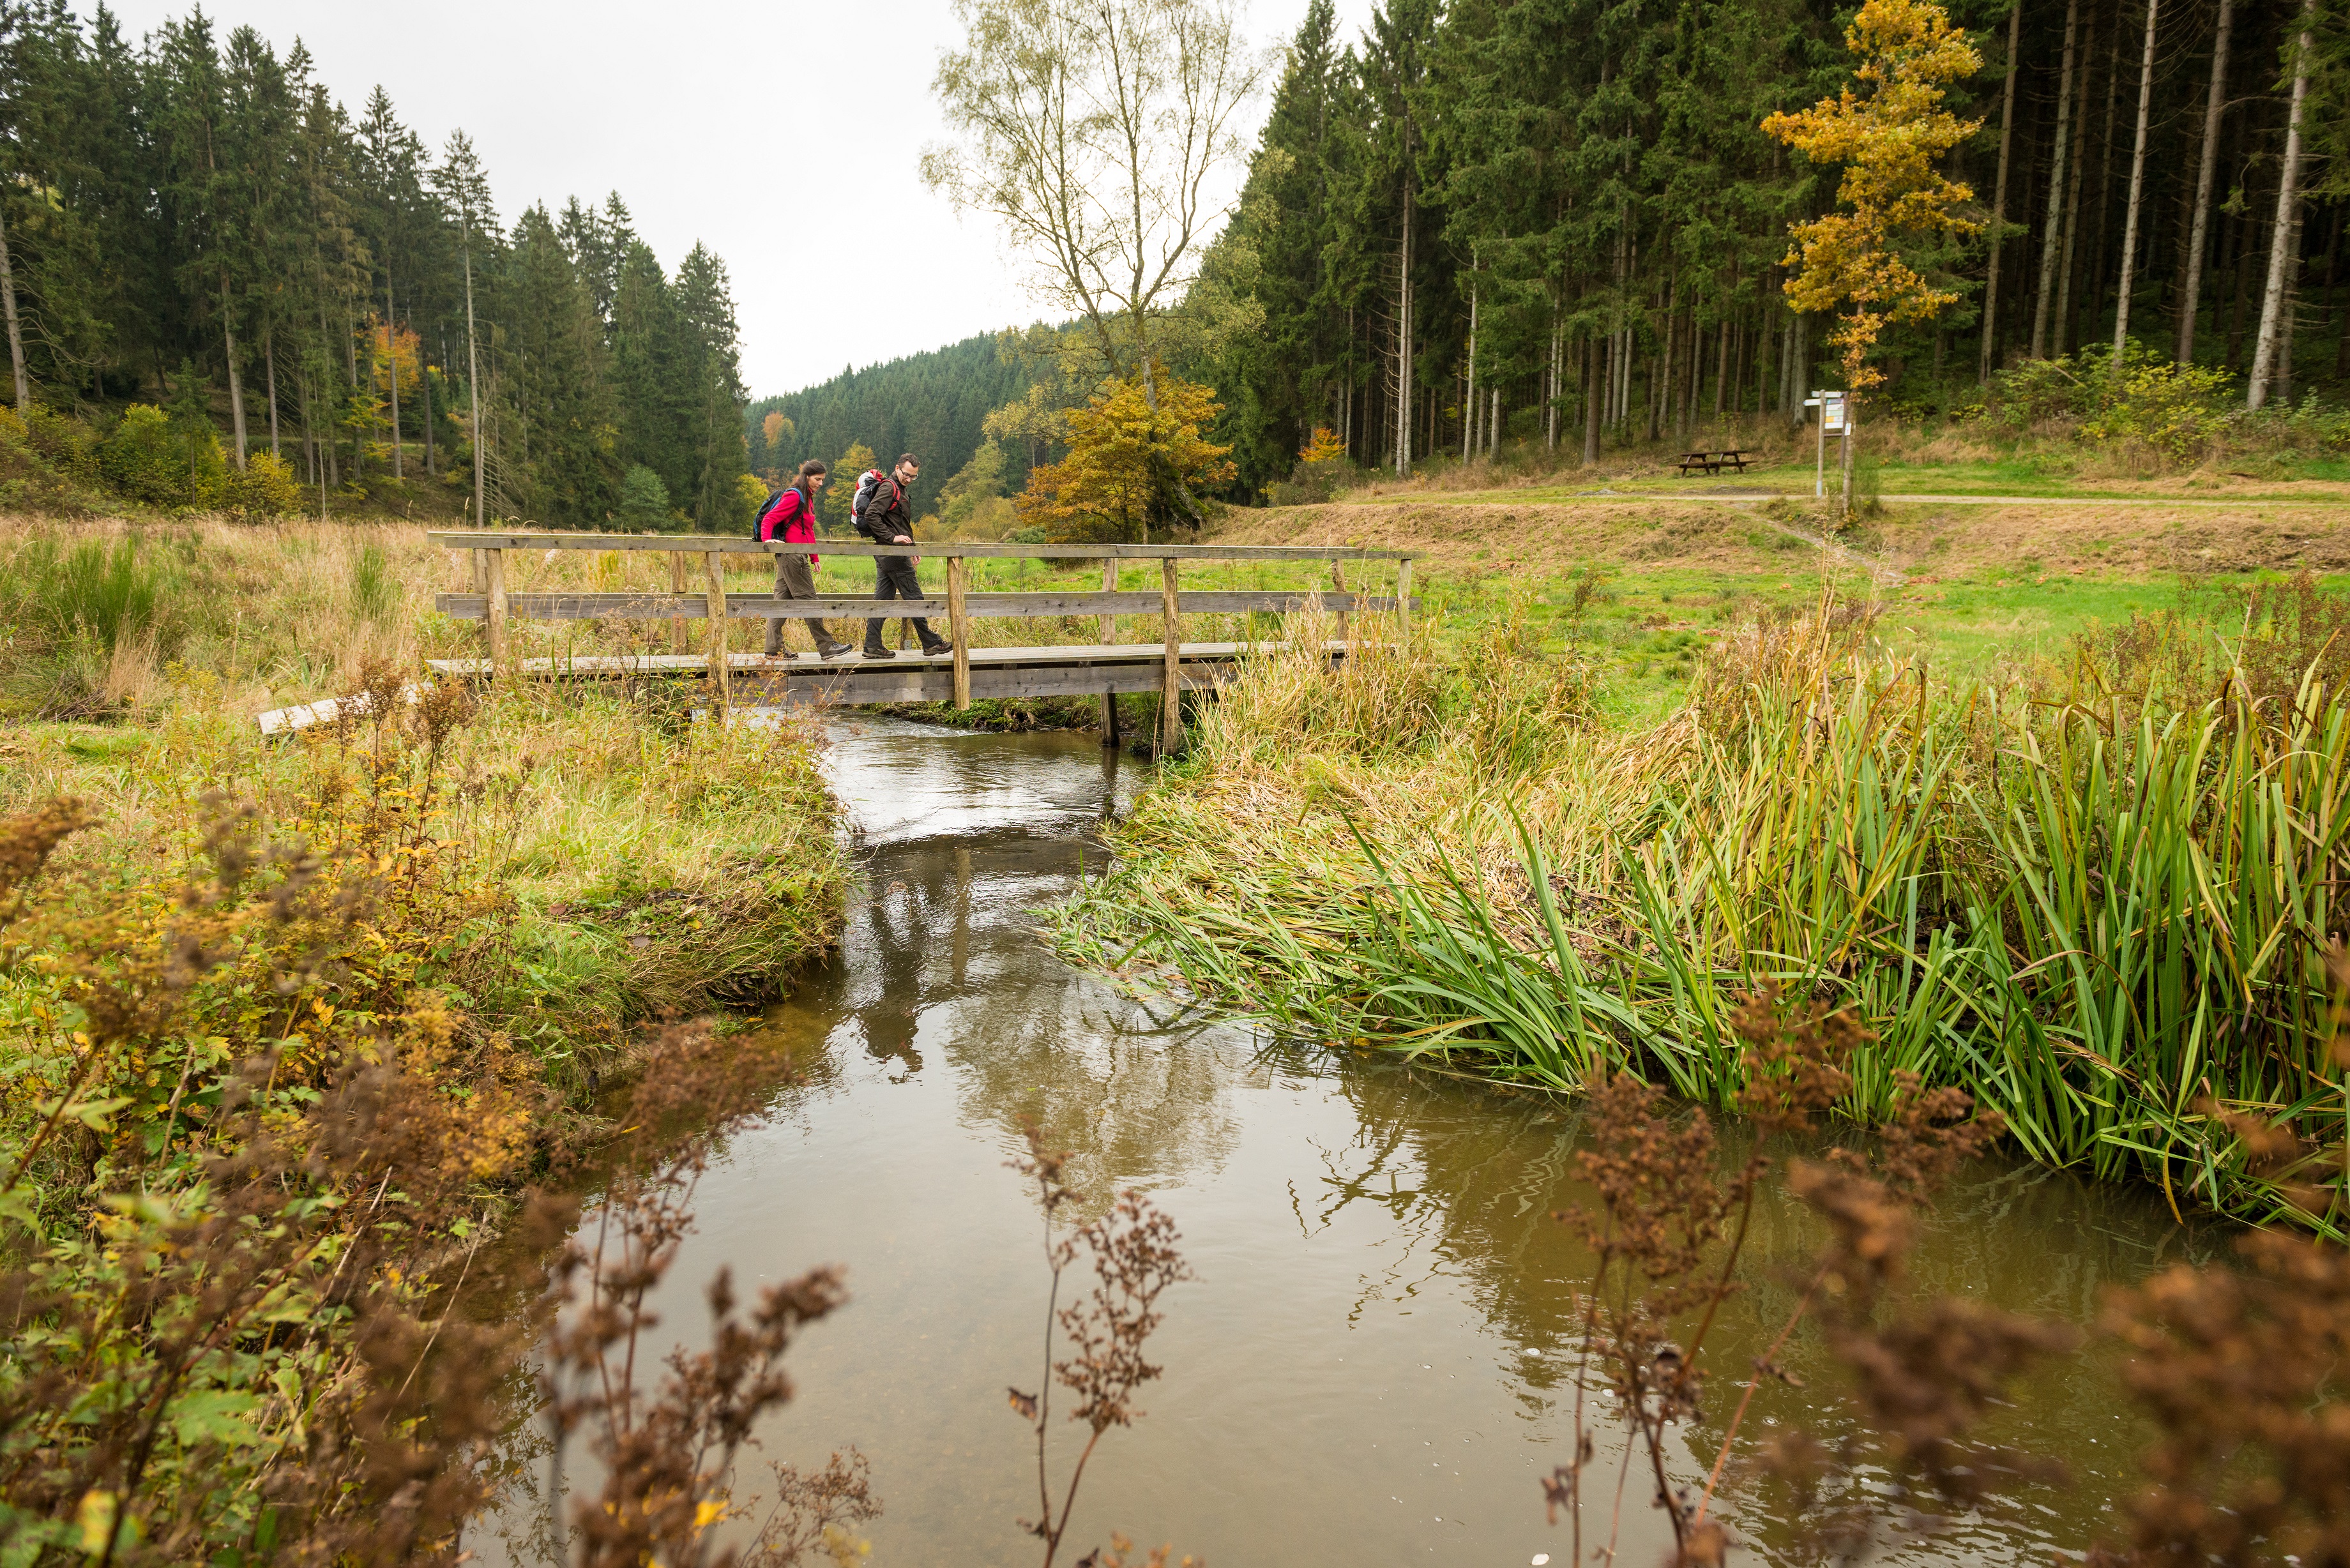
2099	904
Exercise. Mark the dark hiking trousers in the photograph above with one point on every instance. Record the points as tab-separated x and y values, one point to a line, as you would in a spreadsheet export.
894	578
793	580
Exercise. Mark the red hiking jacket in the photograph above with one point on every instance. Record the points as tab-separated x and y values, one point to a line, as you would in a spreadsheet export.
792	519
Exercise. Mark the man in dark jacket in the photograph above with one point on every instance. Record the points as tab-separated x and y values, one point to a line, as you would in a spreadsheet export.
888	519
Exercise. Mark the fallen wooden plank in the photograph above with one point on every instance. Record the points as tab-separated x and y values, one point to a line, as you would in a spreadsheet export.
302	715
979	607
1071	656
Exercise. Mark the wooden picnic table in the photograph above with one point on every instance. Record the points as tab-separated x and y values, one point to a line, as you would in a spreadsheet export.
1713	461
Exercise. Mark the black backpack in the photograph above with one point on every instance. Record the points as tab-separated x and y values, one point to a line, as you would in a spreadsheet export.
759	518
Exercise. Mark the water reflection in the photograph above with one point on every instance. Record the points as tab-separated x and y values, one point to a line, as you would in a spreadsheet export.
1370	1368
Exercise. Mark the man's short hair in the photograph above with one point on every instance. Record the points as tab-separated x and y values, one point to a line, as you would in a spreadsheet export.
906	457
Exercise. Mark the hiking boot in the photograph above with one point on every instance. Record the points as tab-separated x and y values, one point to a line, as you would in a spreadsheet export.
875	650
828	648
937	650
782	653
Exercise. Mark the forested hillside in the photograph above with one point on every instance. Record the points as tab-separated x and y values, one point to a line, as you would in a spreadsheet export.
1561	220
198	224
930	404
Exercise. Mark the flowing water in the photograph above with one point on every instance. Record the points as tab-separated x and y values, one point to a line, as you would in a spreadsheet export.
1372	1365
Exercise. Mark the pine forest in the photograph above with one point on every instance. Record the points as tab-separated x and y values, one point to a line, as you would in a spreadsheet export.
1563	220
321	308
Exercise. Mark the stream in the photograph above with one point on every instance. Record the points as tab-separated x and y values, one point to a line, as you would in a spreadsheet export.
1372	1366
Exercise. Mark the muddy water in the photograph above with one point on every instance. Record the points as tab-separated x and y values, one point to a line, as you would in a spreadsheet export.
1370	1368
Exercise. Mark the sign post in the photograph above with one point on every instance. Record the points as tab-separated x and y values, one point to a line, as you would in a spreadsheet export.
1832	417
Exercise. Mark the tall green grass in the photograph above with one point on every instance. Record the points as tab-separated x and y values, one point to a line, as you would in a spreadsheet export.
2106	916
100	588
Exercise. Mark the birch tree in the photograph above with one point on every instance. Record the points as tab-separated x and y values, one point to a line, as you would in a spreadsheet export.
1102	134
2137	191
2052	236
2215	105
2281	237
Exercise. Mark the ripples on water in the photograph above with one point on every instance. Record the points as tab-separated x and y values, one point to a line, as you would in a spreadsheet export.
1372	1366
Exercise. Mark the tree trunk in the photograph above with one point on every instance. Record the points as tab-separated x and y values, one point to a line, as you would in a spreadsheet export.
15	334
2088	286
269	373
425	371
474	394
2051	241
2281	242
1999	194
2062	337
1404	402
1594	365
2137	192
391	360
1468	404
235	382
2215	103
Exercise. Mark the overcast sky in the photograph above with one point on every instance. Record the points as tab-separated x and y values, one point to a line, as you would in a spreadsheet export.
783	135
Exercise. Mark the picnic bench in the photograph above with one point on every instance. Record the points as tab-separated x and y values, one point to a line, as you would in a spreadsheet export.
1712	462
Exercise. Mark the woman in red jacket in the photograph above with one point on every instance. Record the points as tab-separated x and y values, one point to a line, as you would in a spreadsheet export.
792	519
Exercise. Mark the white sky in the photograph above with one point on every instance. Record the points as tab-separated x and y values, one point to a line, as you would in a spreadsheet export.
785	136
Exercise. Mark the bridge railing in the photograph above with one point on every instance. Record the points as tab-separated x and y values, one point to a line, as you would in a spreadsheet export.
495	602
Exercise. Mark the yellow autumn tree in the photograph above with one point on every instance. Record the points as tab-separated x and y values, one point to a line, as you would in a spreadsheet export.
1889	135
1130	468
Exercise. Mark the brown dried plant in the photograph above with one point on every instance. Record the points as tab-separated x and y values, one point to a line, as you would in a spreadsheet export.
2242	1373
816	1511
667	1455
1667	1235
1133	1252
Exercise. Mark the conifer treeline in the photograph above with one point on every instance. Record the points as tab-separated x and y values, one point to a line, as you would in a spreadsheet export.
930	404
1557	219
202	225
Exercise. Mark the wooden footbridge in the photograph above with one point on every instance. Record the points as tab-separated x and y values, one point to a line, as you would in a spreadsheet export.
1104	668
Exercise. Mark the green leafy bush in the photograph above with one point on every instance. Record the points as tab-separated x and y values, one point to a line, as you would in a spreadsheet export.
266	488
153	458
64	443
2176	409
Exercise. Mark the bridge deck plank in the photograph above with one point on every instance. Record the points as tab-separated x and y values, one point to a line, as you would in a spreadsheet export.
1073	656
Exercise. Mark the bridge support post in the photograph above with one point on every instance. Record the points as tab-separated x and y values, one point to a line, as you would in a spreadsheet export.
959	625
1110	638
1170	701
1403	598
493	577
714	600
677	587
1346	621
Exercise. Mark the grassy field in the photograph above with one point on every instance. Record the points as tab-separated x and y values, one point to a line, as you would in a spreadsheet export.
652	865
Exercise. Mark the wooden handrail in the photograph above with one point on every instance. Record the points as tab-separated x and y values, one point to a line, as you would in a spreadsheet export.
976	607
741	545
